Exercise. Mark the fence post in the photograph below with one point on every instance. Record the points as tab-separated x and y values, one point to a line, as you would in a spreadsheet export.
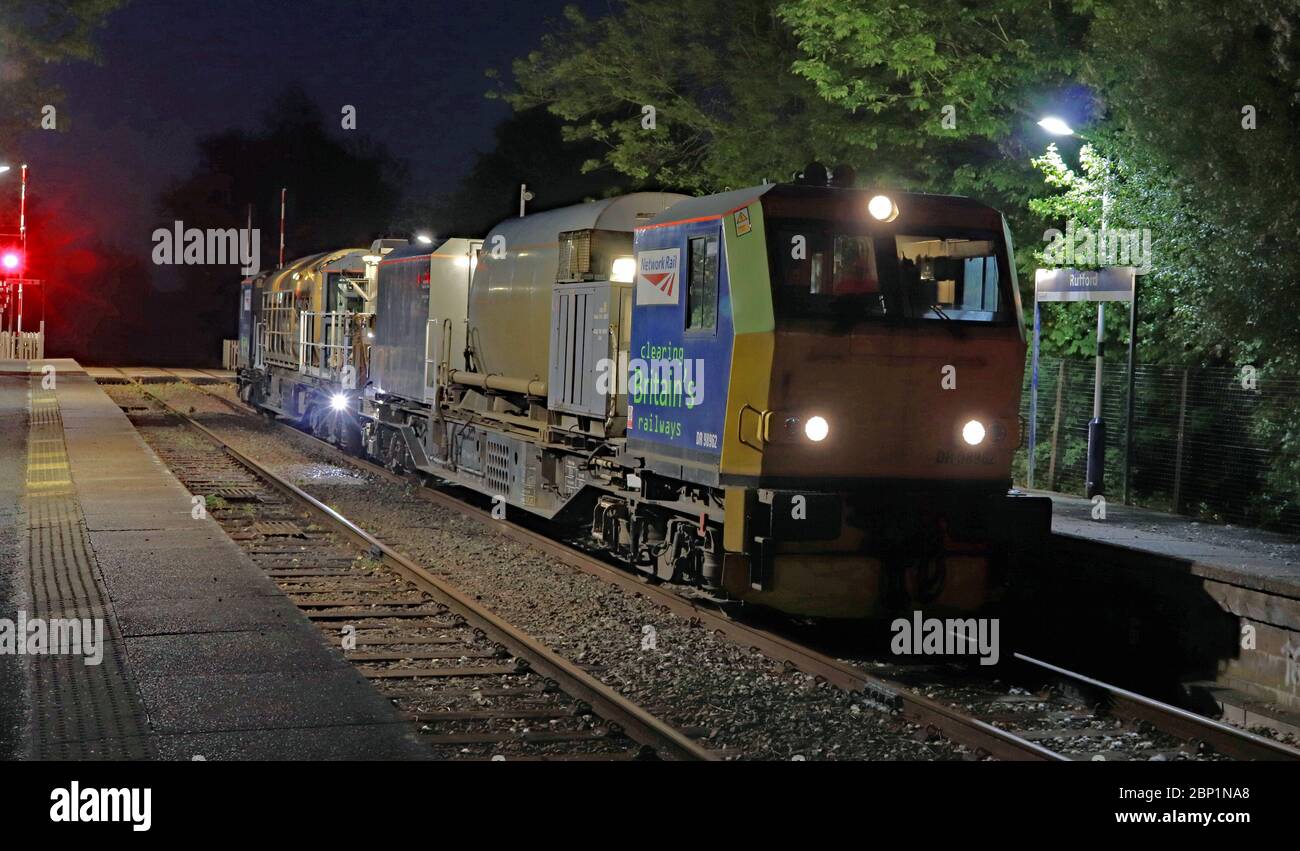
1056	426
1178	451
1128	400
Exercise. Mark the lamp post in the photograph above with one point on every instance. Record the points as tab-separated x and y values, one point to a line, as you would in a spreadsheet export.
1095	474
22	212
1056	127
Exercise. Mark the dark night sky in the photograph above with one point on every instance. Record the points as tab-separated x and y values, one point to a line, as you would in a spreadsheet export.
175	70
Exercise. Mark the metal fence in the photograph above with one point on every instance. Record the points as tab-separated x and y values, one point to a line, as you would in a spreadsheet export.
1217	443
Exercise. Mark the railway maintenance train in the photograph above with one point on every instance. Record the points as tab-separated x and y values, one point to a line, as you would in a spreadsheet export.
796	395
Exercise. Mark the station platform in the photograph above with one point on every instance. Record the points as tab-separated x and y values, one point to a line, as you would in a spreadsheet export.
202	657
1226	598
1252	558
154	375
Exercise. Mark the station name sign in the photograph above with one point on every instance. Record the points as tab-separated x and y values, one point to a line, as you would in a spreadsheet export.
1112	283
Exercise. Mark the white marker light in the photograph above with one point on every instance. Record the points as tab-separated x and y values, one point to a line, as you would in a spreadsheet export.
883	208
624	270
1056	126
424	239
973	432
339	402
816	429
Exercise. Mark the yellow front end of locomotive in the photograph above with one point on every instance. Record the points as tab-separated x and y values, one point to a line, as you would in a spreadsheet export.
866	458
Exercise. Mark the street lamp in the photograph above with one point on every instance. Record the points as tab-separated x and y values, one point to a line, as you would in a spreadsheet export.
1056	126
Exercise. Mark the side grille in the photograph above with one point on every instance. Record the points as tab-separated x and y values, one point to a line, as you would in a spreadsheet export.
497	468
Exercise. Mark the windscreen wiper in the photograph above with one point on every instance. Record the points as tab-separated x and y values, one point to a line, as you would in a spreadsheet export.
952	324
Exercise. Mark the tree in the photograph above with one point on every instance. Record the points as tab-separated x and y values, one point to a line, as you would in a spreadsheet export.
934	95
951	86
1202	108
340	195
699	105
530	149
34	37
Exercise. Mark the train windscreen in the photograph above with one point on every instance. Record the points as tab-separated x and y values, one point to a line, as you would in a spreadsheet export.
820	269
954	277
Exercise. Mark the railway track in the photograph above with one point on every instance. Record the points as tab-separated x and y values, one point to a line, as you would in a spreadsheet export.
1071	717
476	686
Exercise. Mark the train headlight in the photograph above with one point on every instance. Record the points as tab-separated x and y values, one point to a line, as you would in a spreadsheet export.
973	432
882	208
339	402
816	429
624	270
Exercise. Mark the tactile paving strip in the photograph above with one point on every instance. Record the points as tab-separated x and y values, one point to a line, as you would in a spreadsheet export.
80	711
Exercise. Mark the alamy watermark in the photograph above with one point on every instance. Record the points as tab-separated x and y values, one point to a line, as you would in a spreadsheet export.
663	375
73	803
922	636
182	246
54	637
1080	245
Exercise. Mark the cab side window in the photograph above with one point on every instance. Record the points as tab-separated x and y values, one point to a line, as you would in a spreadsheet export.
702	283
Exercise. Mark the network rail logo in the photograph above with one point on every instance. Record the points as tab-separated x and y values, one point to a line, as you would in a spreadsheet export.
182	246
26	636
656	278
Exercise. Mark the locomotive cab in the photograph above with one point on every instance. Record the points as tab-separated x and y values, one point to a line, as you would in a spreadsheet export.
844	367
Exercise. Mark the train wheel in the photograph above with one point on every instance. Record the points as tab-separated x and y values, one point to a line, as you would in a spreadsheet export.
667	566
395	452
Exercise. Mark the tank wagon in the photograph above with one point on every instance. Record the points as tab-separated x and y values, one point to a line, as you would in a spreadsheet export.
803	396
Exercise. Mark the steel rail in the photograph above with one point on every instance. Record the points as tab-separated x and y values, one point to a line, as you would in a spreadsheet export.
953	724
981	736
1227	740
636	722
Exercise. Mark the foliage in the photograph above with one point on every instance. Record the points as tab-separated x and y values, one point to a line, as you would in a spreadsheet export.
293	149
727	112
1208	185
530	149
754	91
1189	113
35	38
746	92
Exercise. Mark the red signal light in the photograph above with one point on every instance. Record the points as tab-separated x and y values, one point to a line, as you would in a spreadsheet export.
11	260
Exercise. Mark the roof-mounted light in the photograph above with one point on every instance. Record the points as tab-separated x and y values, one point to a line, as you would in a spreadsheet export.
882	208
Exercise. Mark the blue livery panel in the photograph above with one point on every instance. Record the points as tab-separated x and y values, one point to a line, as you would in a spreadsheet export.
680	356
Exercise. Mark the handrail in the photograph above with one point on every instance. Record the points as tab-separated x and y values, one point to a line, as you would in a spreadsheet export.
740	426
